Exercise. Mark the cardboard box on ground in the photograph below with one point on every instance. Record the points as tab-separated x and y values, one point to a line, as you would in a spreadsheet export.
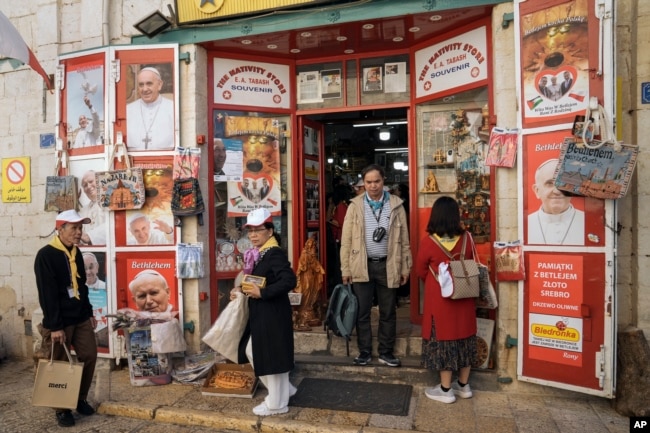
230	380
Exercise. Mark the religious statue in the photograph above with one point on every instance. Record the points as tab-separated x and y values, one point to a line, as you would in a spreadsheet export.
309	276
431	184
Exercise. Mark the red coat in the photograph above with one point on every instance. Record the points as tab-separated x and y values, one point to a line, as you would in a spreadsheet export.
454	319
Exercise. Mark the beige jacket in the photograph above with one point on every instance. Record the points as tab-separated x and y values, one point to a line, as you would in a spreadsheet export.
354	260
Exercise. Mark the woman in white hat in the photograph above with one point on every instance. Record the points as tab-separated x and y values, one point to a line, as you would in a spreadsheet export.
268	339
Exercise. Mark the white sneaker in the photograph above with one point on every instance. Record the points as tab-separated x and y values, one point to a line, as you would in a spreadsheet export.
263	410
462	392
436	393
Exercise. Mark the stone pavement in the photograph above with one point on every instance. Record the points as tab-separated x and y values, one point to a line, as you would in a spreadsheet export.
183	408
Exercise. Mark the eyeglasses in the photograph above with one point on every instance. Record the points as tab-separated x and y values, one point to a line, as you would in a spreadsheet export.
262	229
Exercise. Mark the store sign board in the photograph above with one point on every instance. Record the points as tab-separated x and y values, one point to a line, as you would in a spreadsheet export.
452	63
193	11
246	82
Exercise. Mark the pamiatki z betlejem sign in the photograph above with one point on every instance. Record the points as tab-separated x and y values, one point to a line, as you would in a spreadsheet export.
457	63
244	82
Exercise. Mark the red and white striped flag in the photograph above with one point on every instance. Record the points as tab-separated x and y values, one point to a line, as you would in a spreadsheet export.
13	46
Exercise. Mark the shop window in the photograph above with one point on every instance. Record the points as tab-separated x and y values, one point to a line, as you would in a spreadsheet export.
385	80
452	145
249	171
320	85
381	80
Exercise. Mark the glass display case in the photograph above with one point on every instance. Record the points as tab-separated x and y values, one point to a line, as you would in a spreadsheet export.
452	146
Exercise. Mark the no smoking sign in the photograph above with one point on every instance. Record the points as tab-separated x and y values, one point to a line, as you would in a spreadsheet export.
16	174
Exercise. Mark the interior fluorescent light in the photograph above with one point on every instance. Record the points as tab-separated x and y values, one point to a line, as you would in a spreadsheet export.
367	125
392	149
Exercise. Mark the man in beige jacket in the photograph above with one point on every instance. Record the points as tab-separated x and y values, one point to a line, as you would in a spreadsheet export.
376	257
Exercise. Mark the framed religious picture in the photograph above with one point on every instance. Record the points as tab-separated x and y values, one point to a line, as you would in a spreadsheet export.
331	83
82	104
373	79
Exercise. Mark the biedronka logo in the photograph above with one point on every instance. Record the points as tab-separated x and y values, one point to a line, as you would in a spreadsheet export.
556	332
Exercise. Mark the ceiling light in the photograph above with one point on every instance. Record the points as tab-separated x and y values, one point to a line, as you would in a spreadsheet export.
348	51
398	165
414	29
341	38
271	46
435	17
398	39
330	160
368	26
246	42
366	125
305	34
392	149
153	24
384	132
295	50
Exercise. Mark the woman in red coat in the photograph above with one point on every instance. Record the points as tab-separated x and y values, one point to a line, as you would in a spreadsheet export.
448	325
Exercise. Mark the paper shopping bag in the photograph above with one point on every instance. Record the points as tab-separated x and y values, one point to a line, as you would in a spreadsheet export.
57	383
225	334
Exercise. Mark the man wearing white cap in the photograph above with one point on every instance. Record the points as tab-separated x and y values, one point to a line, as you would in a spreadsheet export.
67	312
150	119
267	342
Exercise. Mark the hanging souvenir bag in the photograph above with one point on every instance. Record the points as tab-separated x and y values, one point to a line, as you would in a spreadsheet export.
61	192
592	163
502	150
186	162
120	189
509	260
187	199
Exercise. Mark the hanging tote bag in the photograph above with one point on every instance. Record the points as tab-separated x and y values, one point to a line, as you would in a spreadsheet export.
61	192
57	383
464	272
509	259
120	189
592	163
